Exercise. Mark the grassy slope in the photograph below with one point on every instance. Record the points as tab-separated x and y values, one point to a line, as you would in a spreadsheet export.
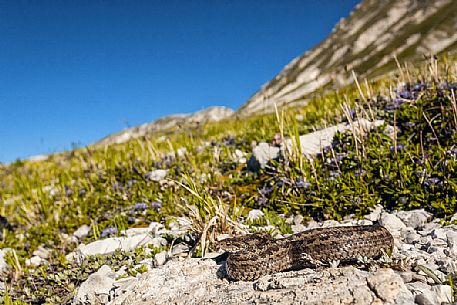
48	200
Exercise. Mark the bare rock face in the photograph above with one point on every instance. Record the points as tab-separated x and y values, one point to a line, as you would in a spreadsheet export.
364	42
196	281
419	245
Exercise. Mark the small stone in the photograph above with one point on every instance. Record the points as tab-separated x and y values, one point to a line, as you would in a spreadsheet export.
406	276
261	154
161	258
415	219
298	228
389	286
3	265
298	219
179	250
41	252
82	231
443	293
157	175
451	238
439	233
392	223
96	289
255	215
158	242
34	261
426	297
111	244
375	213
450	267
410	236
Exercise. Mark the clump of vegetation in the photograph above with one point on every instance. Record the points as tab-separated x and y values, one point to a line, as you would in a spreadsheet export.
407	162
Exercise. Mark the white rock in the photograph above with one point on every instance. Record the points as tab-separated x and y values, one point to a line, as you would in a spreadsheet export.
180	249
3	265
298	228
410	236
330	223
443	293
157	175
392	223
426	297
158	242
41	252
136	231
109	245
161	258
35	261
440	233
96	289
375	213
261	154
181	152
415	219
389	287
82	231
255	214
313	143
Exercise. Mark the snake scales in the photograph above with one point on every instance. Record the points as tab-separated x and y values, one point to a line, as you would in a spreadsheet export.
256	255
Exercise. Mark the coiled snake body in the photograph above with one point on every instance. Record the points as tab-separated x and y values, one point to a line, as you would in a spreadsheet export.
256	255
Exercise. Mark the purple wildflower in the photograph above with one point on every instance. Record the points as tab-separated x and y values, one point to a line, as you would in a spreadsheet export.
432	181
140	206
131	220
82	192
109	231
117	186
418	87
399	147
405	95
263	201
302	184
266	191
279	183
410	124
156	205
131	182
335	173
396	103
68	190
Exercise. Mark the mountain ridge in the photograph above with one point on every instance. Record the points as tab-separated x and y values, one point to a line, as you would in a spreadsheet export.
365	42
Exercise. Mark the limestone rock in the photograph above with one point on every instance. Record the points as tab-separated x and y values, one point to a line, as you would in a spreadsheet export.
82	231
415	218
261	154
197	281
392	223
96	289
157	175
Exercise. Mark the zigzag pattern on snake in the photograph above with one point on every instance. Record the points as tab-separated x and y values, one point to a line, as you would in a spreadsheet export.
256	255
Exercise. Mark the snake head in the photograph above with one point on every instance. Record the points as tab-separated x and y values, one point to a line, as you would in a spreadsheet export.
244	242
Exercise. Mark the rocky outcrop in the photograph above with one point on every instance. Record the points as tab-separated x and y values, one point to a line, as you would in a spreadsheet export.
423	258
364	42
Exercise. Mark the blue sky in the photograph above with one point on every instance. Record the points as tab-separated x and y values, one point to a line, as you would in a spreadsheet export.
76	71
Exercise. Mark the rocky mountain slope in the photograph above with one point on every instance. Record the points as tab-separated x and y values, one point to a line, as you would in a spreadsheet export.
365	42
210	114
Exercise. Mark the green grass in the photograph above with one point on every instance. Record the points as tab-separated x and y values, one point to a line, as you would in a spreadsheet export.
46	201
